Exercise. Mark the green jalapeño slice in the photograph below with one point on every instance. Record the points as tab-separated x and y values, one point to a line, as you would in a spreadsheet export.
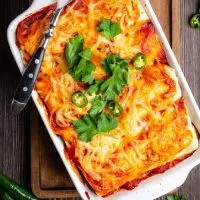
115	108
79	99
195	21
140	61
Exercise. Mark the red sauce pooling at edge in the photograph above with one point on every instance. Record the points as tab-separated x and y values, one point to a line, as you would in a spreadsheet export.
134	183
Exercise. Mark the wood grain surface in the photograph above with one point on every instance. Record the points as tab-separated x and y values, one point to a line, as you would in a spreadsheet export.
15	131
48	175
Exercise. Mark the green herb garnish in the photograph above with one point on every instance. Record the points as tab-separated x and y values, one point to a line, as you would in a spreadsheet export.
175	197
80	67
88	126
106	123
72	50
108	29
83	72
117	68
97	106
95	87
86	54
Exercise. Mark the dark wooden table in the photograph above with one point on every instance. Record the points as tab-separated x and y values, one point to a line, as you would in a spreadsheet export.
14	130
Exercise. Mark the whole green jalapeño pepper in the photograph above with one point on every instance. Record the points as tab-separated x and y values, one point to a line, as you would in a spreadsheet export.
4	195
9	189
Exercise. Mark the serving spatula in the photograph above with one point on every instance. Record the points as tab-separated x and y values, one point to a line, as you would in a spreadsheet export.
27	82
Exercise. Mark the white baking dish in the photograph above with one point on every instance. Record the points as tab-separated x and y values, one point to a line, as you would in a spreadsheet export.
155	186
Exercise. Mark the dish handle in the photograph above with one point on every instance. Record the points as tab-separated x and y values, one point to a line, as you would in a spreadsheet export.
182	176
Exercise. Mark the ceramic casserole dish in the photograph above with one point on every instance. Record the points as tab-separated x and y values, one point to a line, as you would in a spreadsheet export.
152	187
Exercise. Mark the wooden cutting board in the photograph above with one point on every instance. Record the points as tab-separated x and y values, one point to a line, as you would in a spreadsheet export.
49	179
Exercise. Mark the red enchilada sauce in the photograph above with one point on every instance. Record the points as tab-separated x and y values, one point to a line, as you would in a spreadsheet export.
146	31
159	170
70	154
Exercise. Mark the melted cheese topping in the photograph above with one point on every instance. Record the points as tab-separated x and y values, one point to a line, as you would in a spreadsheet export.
154	128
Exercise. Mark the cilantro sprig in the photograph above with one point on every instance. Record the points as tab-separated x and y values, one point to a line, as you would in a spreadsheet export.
96	121
78	60
108	29
72	50
117	69
95	87
83	72
80	67
106	123
98	104
175	197
88	126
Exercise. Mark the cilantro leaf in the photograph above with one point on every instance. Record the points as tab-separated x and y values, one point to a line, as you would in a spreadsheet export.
88	78
86	54
83	72
85	127
95	88
78	60
97	105
171	198
118	70
108	29
111	61
105	123
73	48
108	87
175	197
89	126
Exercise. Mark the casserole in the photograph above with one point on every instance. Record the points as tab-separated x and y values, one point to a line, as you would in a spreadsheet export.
192	103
